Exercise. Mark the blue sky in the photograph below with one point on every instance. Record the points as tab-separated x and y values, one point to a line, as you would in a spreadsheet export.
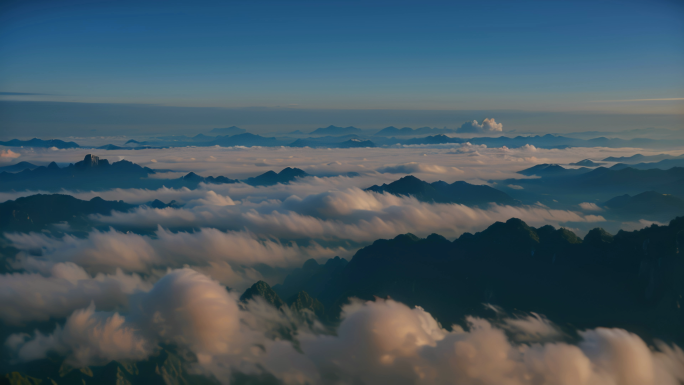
579	56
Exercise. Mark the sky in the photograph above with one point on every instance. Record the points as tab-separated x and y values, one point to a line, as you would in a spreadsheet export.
622	60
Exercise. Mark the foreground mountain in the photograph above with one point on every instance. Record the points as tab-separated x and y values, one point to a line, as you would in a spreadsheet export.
37	212
442	192
631	280
166	367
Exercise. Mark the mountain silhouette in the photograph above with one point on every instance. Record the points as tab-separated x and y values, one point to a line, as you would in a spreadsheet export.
442	192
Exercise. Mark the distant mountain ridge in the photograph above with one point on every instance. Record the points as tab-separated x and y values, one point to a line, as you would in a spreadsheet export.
333	130
35	142
408	131
441	192
21	166
232	130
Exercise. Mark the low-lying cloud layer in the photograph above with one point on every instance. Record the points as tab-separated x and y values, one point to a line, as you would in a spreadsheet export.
380	341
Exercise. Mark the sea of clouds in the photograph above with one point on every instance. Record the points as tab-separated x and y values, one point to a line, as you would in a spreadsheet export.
156	276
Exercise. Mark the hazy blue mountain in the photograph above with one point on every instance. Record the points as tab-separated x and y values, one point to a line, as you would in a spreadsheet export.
638	158
36	212
587	163
336	131
112	147
548	170
664	164
600	183
270	178
408	131
647	205
202	138
555	141
244	139
232	130
344	141
39	143
442	192
356	143
21	166
436	139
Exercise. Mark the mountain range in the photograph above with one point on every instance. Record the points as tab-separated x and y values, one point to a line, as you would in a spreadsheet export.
35	142
628	280
93	173
648	205
90	173
333	130
232	130
442	192
37	212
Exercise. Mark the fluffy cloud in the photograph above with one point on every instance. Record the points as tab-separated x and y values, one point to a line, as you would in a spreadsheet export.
8	155
88	338
60	289
589	206
386	342
381	341
350	214
227	256
487	126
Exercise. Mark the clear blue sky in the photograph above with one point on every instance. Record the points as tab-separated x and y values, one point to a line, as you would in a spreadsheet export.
422	55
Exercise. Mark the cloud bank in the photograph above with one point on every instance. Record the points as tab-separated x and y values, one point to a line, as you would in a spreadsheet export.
381	341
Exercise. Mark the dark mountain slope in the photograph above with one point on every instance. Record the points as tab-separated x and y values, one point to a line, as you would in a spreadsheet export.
632	280
442	192
36	212
270	178
35	142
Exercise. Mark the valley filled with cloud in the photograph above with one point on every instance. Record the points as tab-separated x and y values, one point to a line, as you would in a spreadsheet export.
179	266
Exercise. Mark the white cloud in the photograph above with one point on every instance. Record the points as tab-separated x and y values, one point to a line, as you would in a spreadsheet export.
61	288
381	341
487	126
588	206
